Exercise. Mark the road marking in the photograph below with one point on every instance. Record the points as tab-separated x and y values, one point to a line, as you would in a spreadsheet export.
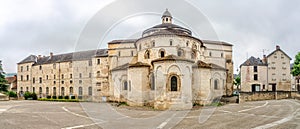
81	115
165	122
81	126
279	121
225	111
3	110
254	107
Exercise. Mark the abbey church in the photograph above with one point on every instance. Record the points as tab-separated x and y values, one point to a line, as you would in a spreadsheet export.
167	68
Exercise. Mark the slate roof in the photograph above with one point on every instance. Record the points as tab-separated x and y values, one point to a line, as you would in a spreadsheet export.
167	14
121	67
31	58
216	42
252	61
122	41
281	51
172	58
167	28
82	55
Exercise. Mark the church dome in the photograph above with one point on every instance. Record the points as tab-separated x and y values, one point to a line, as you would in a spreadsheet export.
167	27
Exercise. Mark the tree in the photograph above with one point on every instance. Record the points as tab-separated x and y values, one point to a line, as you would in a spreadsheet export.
3	83
237	81
296	67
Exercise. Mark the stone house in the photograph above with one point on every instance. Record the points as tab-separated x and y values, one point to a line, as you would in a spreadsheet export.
272	73
165	68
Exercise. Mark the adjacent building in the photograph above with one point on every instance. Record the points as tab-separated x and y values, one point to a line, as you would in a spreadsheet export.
167	67
272	73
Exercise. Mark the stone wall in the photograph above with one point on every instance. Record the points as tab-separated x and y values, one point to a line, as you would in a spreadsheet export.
267	95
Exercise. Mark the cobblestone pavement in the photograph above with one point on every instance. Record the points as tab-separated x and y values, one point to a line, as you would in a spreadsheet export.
58	115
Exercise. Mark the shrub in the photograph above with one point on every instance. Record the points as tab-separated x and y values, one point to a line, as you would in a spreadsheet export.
33	96
27	95
66	97
53	97
48	97
59	100
72	97
60	97
11	94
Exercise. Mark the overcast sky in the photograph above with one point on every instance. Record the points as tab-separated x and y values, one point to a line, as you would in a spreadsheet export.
42	26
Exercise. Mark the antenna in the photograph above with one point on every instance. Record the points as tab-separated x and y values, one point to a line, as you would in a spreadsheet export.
264	50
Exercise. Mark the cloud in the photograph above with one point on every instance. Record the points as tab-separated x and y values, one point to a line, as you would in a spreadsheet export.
38	27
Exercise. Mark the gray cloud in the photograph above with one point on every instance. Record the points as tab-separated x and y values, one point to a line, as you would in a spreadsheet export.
40	27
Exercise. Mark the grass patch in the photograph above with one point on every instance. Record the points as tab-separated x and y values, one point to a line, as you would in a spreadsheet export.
59	100
216	104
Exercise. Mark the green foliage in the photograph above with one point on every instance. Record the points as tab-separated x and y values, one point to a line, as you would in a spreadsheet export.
48	97
60	97
237	81
72	97
66	97
28	95
11	94
54	97
296	67
3	83
59	100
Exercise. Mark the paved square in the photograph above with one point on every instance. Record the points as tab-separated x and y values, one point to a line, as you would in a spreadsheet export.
58	115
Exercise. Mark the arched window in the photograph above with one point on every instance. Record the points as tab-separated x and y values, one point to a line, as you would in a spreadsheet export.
187	43
27	77
80	91
90	91
54	91
125	85
62	91
162	53
180	52
33	89
210	54
153	43
194	46
71	90
222	55
47	90
98	73
193	55
147	54
174	81
171	42
40	90
152	82
21	77
216	84
140	47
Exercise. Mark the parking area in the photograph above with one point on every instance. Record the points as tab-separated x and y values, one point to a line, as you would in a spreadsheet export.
58	115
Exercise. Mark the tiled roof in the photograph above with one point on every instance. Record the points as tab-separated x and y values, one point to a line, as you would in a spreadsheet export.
172	58
252	61
82	55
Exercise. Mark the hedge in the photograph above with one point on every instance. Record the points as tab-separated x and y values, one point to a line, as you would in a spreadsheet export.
59	100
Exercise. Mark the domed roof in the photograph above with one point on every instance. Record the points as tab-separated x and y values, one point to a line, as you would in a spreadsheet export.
166	14
167	28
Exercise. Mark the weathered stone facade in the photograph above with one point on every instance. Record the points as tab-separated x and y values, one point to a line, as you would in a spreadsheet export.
166	68
272	73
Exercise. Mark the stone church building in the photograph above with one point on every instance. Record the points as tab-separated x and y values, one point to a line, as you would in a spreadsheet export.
167	68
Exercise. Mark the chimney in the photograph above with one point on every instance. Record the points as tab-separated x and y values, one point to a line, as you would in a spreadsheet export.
277	47
51	55
264	59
